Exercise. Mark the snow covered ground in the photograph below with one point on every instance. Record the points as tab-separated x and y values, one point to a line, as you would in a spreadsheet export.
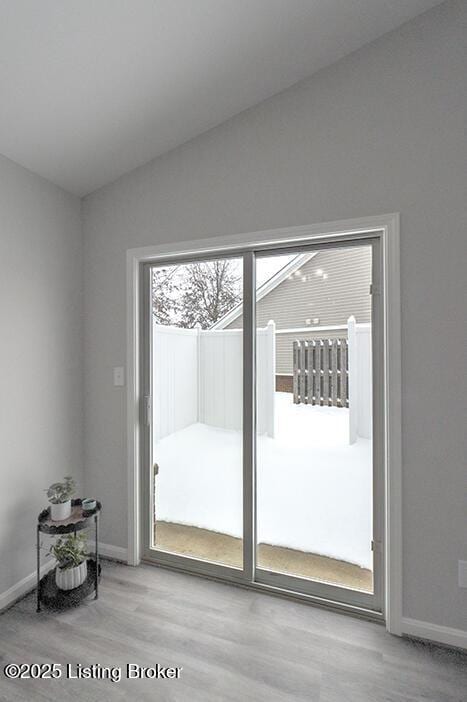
314	489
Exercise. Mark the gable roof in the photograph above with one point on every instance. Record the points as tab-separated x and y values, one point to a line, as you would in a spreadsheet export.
282	274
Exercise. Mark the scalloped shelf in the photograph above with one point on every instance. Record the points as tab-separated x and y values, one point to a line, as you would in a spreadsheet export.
78	520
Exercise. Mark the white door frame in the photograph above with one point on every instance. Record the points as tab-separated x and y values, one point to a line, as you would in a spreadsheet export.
386	227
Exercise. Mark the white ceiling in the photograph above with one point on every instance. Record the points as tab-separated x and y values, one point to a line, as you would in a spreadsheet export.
91	89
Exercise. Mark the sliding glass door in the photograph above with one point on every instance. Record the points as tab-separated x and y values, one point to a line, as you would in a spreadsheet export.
262	449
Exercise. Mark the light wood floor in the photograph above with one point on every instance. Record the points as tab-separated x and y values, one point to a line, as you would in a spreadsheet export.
233	644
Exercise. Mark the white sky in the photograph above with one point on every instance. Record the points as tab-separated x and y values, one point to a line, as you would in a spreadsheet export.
265	267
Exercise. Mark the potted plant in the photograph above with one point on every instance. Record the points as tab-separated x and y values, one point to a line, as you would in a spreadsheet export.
59	495
70	552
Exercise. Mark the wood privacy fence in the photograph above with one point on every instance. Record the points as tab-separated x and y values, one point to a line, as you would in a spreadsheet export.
321	372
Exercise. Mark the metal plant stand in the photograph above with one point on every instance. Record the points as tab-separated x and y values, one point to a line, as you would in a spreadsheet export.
48	593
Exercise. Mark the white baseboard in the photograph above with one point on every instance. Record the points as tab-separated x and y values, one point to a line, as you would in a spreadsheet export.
22	587
434	632
108	550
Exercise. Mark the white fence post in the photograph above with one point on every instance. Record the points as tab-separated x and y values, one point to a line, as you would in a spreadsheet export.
360	380
198	364
364	373
353	381
266	378
271	355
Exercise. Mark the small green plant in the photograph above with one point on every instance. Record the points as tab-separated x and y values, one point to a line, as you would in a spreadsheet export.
70	551
61	492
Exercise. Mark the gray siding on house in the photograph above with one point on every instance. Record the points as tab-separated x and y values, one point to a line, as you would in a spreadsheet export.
304	297
332	301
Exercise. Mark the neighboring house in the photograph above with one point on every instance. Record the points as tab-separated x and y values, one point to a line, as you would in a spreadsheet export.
311	297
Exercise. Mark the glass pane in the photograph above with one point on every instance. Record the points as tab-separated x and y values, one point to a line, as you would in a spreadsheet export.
197	410
314	446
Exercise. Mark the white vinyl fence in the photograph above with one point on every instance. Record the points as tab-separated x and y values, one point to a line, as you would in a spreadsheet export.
360	380
175	379
197	377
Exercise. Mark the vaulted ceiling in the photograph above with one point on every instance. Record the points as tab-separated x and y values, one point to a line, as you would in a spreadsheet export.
91	89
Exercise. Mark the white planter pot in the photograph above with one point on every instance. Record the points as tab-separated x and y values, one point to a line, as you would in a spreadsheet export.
70	578
60	511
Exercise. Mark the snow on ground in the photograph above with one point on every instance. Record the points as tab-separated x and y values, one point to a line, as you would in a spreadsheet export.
314	489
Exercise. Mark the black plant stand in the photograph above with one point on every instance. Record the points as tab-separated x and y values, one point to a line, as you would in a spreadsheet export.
47	592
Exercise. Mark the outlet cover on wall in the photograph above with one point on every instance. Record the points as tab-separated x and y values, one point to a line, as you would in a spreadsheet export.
462	573
119	376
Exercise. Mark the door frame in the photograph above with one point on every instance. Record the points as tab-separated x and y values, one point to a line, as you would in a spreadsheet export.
250	573
386	229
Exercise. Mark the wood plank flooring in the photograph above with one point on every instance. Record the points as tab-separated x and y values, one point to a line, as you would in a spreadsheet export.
233	645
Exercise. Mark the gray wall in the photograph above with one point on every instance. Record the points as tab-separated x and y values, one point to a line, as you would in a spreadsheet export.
380	131
40	356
